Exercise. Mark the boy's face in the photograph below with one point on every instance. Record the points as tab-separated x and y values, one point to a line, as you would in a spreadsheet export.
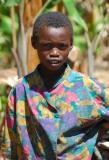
53	47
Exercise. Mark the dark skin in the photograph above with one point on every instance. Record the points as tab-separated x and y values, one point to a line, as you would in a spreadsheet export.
53	48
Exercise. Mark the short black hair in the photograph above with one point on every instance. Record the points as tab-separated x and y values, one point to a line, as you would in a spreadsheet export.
51	19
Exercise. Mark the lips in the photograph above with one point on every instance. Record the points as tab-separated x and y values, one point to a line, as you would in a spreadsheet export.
54	61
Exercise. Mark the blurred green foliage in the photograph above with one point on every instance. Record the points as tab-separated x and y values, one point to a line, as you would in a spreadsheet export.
9	3
6	36
3	101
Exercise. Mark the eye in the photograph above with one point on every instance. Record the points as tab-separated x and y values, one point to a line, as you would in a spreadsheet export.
47	46
62	46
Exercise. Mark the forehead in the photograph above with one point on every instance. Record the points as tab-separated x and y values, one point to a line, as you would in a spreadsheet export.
52	33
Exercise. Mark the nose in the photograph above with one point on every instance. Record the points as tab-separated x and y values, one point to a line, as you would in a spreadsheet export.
54	52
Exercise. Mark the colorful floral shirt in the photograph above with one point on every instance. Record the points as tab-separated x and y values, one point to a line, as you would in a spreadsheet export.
56	124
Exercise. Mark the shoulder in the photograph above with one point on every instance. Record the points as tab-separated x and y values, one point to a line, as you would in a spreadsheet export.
77	76
18	89
17	93
91	83
24	81
21	85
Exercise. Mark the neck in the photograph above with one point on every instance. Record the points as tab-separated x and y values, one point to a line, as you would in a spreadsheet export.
51	77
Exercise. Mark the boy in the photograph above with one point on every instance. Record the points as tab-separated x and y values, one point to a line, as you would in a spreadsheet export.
54	113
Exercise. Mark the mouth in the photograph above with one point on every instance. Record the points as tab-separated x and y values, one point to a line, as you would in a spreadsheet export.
54	61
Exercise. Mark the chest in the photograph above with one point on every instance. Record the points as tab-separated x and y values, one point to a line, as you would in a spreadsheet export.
75	106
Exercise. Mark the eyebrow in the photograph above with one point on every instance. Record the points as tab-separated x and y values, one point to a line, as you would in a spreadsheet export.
49	41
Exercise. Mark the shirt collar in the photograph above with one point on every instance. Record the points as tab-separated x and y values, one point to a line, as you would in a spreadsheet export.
39	82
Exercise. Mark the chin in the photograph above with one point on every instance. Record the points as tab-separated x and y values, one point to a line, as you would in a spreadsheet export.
53	69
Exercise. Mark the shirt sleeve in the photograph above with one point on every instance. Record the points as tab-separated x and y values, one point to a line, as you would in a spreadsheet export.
104	97
8	145
101	96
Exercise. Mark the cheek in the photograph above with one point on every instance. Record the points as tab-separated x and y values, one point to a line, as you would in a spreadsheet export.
42	56
65	54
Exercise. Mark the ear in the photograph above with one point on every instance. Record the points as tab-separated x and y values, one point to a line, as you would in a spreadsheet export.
34	42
